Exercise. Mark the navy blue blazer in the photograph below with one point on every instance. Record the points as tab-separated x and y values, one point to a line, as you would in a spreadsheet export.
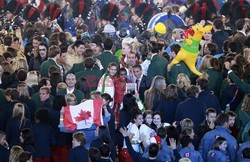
191	108
30	149
13	130
31	106
111	124
168	109
144	85
8	110
4	154
62	139
97	143
78	154
47	104
210	100
44	138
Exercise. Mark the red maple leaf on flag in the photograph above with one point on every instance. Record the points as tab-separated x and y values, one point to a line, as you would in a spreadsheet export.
83	115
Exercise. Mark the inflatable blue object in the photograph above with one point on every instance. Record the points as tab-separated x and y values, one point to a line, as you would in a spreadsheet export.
163	17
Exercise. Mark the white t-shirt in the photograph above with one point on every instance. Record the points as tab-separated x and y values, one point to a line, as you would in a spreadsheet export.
147	131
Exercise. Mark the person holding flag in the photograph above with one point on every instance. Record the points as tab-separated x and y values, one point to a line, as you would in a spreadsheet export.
86	117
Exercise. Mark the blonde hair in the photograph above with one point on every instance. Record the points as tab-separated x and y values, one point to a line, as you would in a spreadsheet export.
69	37
183	81
18	111
186	123
15	152
7	67
21	63
70	99
24	90
130	42
205	63
155	88
32	78
246	103
246	53
61	86
204	75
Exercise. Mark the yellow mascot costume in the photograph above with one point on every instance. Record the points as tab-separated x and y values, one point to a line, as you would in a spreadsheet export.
190	48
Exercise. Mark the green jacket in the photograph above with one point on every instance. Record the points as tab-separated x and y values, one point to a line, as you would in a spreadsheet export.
79	95
36	98
181	67
45	67
242	85
215	81
241	121
92	77
158	66
107	57
77	68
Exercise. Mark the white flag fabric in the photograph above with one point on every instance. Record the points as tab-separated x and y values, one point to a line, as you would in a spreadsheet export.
83	115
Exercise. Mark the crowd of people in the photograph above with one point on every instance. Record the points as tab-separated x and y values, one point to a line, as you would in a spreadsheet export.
58	53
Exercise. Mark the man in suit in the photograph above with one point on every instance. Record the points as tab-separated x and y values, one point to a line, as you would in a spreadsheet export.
142	82
71	81
107	56
158	65
241	27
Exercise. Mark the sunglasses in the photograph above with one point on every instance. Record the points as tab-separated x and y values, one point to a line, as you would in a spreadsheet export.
42	49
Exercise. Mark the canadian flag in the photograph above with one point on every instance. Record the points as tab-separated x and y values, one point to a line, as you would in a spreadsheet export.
83	115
